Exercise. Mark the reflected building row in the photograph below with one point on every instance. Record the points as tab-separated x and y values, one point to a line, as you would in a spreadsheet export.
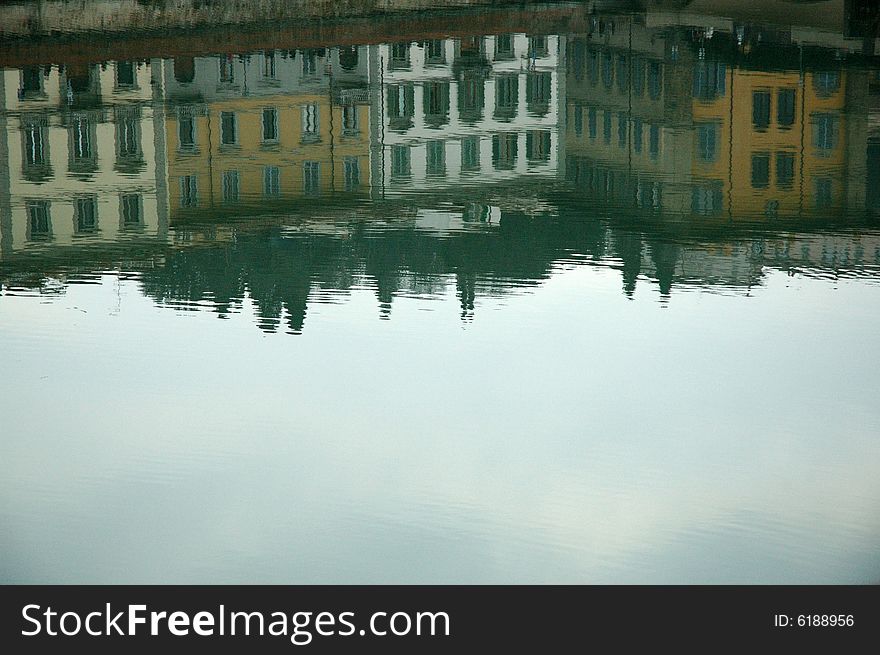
108	148
634	117
682	121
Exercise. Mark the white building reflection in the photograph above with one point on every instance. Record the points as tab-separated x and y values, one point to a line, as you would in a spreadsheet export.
465	111
82	155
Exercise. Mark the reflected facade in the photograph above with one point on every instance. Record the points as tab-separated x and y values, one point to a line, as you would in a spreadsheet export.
84	156
679	155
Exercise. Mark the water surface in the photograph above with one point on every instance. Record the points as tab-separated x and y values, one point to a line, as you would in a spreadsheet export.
505	295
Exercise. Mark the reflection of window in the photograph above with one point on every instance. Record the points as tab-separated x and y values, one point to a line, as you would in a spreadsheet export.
476	212
622	74
707	142
706	200
592	122
399	56
228	128
637	135
785	103
826	84
436	155
348	58
85	215
184	69
270	125
760	170
784	169
436	98
503	47
82	150
538	46
605	182
352	173
606	126
268	64
760	110
35	144
506	95
400	105
824	197
350	121
655	79
435	53
309	63
470	154
39	221
594	65
231	186
189	191
81	135
538	145
709	80
607	69
271	181
400	162
577	60
125	74
131	205
648	194
538	92
227	70
127	133
82	83
311	178
471	45
310	122
638	76
470	98
826	129
36	166
31	81
579	171
186	129
578	120
621	129
504	150
129	155
654	141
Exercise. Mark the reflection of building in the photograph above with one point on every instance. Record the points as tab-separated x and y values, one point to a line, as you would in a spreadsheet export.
468	110
83	159
863	140
267	128
626	127
741	125
674	120
717	128
768	143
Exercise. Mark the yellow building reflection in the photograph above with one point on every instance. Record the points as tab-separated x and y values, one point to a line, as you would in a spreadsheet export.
266	130
769	142
676	121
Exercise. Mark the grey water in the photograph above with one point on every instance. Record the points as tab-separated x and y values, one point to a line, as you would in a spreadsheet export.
508	294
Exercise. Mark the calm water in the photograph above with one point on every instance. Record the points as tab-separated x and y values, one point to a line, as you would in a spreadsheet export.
487	295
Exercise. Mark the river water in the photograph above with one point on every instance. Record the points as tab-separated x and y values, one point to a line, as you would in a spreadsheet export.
515	296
